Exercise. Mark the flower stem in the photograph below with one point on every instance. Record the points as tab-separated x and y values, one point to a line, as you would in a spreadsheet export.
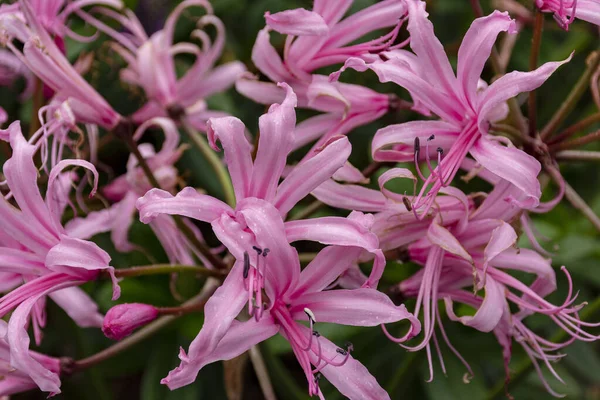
213	159
580	204
158	269
578	155
578	90
262	373
533	63
143	333
573	129
526	365
589	138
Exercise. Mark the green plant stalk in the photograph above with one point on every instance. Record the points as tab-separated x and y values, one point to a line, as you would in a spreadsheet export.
159	269
577	155
526	365
213	159
571	101
142	334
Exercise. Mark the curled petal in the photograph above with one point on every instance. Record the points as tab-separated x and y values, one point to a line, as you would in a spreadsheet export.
297	22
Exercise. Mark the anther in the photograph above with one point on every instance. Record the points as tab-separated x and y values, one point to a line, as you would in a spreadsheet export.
316	334
246	264
430	138
310	315
266	251
417	145
341	351
440	150
349	346
406	202
317	377
257	249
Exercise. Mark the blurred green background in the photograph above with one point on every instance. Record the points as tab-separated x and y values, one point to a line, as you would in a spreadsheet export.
136	373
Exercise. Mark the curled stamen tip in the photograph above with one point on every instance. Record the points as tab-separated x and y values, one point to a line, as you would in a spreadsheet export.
310	315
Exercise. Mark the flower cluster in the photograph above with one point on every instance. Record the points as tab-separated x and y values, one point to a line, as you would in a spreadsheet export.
463	245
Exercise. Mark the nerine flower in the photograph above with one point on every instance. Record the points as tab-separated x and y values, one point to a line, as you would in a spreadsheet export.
151	65
565	11
14	380
46	61
476	252
465	105
316	39
35	246
254	232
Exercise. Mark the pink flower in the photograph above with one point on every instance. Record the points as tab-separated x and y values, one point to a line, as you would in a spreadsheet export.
47	62
123	319
13	379
476	252
317	39
35	246
255	225
151	65
465	106
565	11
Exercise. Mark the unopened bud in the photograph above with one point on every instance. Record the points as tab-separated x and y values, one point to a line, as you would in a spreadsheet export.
120	321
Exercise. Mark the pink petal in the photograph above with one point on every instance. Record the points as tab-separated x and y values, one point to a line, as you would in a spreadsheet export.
297	22
516	166
358	307
436	68
331	11
79	306
489	313
260	92
238	157
396	142
313	128
219	312
325	268
476	48
266	59
21	262
350	197
218	80
503	237
510	85
187	202
94	223
442	237
276	141
529	261
310	174
588	10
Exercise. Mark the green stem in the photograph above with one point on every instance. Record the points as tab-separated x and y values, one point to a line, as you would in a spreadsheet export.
526	365
140	335
159	269
213	159
571	101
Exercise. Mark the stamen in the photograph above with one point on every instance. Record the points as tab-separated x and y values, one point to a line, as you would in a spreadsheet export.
246	265
431	170
310	315
257	249
417	147
440	152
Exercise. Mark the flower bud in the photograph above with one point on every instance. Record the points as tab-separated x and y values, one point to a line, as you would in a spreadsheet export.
123	319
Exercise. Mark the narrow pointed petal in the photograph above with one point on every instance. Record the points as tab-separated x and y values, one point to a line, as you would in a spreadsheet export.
514	165
503	237
325	268
350	197
510	85
476	48
79	306
276	142
358	307
266	59
310	174
442	237
188	203
489	312
230	132
297	22
219	312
